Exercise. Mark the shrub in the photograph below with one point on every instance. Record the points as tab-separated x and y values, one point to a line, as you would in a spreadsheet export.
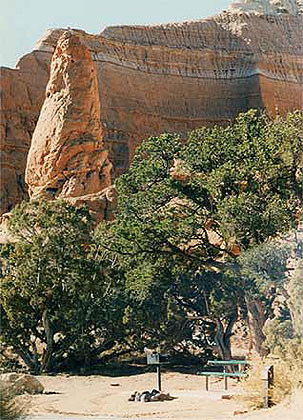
288	377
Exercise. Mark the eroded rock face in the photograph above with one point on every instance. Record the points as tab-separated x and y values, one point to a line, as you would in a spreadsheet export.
163	78
22	92
67	158
270	7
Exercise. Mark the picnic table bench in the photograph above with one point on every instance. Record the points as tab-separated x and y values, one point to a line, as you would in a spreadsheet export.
224	363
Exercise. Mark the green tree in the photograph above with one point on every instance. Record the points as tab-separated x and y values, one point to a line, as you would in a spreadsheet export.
55	299
264	275
186	207
284	332
288	135
295	291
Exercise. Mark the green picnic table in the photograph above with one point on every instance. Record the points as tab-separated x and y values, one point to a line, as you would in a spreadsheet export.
224	363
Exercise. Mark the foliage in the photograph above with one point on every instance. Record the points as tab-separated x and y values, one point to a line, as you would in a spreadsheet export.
295	291
236	182
186	207
167	270
288	374
284	376
284	332
56	299
289	133
263	273
266	265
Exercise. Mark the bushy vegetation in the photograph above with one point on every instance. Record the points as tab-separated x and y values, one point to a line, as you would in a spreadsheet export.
283	341
59	306
190	251
188	208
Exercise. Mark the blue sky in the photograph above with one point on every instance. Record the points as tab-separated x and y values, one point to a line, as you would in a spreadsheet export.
23	22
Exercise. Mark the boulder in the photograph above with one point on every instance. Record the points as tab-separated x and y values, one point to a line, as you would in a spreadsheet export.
21	384
27	384
10	377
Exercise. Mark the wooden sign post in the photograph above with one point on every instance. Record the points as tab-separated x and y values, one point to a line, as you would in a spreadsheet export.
268	380
155	358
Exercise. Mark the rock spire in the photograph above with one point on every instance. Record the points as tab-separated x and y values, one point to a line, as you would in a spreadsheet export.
67	158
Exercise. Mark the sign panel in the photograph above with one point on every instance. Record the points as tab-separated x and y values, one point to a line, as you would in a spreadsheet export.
153	358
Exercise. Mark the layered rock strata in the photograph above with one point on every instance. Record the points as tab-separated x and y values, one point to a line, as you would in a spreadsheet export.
270	7
67	158
173	77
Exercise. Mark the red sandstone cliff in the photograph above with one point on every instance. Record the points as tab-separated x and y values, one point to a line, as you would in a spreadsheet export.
160	78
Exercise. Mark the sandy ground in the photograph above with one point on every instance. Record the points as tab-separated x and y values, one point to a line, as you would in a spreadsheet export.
101	396
290	410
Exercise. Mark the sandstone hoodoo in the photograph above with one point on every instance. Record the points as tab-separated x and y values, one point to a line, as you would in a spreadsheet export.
67	158
154	79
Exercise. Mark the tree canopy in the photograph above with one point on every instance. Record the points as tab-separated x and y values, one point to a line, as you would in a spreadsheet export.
189	252
55	295
189	207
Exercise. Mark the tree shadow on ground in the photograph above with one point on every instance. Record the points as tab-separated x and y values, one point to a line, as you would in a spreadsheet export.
114	370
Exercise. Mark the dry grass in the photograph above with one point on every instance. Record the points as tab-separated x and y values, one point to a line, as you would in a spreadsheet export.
288	378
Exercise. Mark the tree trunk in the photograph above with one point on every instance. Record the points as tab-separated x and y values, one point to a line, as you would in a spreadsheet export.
49	342
222	337
256	322
31	362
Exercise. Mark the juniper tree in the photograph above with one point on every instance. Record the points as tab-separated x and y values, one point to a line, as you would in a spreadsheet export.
55	296
187	208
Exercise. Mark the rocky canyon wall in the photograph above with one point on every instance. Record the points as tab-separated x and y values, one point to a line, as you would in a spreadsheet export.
151	79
